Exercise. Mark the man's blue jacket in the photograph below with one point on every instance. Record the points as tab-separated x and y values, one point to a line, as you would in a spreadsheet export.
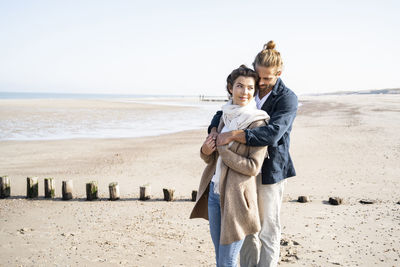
281	106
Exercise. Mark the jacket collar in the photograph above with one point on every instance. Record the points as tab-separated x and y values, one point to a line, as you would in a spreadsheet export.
279	85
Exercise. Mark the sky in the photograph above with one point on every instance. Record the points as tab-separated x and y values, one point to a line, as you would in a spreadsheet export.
190	47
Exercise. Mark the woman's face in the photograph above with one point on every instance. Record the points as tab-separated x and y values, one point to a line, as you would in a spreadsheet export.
243	90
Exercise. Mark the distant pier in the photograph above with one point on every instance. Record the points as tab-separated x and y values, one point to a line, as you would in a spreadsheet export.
213	98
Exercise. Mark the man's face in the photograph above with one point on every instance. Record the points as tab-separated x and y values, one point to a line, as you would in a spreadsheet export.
268	77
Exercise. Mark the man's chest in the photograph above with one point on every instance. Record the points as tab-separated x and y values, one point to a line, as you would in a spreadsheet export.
270	105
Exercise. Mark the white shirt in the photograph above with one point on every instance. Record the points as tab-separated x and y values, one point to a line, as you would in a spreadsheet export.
260	102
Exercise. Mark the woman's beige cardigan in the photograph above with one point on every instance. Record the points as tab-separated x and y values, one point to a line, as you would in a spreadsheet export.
238	189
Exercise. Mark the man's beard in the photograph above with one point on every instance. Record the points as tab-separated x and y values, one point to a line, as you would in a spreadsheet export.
266	87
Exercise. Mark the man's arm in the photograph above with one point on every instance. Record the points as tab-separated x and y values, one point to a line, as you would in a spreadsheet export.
215	121
227	137
279	123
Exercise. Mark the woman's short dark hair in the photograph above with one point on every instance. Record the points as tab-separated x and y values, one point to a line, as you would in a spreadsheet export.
241	71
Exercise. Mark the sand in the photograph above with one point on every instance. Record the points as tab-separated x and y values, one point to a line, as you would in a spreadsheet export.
345	146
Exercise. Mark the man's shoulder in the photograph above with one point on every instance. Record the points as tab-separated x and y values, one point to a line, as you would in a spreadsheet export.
285	91
290	95
286	95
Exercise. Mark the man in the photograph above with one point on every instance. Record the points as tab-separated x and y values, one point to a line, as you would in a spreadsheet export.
281	105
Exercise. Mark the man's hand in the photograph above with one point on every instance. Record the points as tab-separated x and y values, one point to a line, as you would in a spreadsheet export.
208	146
226	138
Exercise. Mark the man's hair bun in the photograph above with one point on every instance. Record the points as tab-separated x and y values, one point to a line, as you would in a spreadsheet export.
269	57
269	45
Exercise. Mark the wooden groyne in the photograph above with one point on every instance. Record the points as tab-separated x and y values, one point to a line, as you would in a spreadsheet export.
91	188
213	98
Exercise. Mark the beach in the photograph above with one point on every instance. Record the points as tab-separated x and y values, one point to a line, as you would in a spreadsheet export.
344	146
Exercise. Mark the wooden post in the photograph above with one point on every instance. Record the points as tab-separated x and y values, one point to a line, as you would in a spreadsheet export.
49	187
32	187
194	195
114	191
67	187
145	192
168	194
335	200
91	190
303	199
4	186
367	201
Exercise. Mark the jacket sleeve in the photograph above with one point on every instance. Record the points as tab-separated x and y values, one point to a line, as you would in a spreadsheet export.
250	165
279	123
207	158
215	121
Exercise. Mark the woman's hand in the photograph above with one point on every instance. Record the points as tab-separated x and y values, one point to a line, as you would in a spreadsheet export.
213	133
209	145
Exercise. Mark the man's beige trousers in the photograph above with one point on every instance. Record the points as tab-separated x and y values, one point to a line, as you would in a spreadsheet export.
262	249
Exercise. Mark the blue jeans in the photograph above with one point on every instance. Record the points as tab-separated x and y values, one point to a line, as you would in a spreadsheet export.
226	255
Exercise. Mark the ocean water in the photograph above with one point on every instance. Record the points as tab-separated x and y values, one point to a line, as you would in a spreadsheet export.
52	122
33	95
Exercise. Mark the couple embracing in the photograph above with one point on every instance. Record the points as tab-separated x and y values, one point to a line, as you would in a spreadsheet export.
247	157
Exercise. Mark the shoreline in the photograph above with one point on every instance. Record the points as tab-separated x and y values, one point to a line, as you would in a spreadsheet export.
104	138
84	119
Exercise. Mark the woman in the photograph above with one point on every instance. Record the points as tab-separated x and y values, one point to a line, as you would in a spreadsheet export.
227	194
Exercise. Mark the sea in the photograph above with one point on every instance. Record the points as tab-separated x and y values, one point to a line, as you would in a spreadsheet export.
54	123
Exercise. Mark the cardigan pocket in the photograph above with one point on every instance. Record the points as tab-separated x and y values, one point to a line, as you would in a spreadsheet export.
246	199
